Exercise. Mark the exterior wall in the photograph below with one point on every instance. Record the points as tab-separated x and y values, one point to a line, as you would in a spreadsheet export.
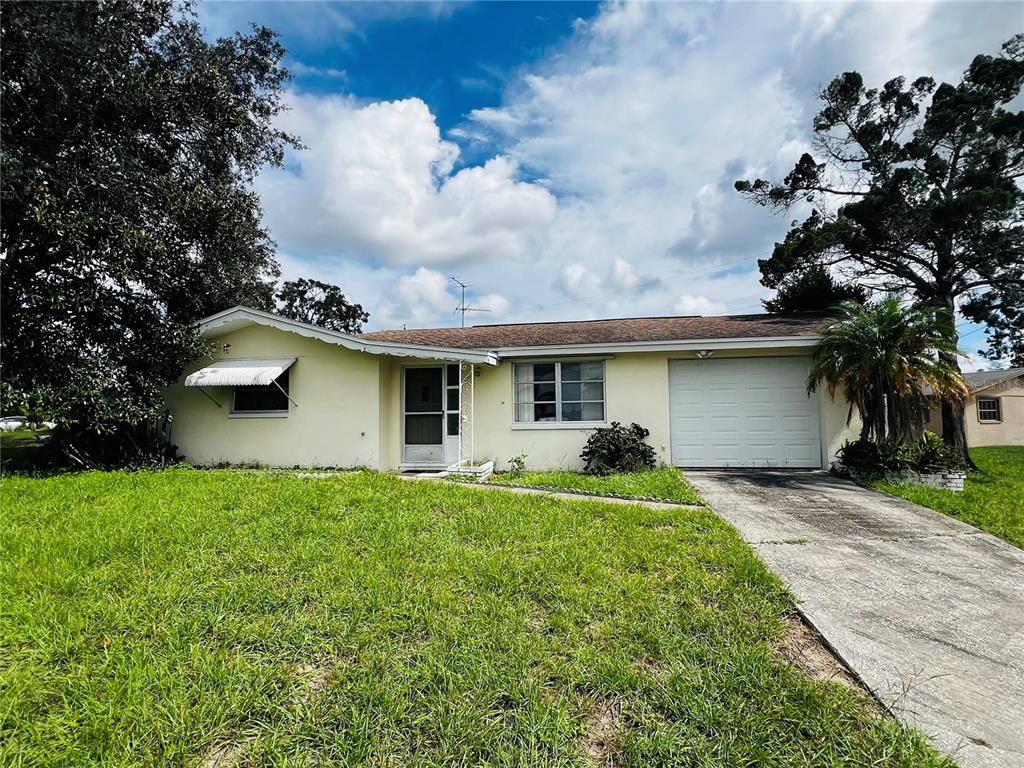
1009	431
349	409
636	389
336	422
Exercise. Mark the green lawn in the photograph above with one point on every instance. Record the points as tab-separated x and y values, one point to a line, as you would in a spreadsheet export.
992	500
664	483
174	618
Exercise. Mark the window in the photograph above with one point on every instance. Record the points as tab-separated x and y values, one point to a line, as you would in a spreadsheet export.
559	392
988	409
271	398
452	383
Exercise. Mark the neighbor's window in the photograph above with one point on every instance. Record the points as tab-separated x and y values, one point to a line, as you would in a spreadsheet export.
988	409
551	392
268	399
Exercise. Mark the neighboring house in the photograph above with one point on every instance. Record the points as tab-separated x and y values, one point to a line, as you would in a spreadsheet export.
994	411
713	391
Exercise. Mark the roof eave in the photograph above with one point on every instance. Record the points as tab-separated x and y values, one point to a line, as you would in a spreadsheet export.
679	345
239	317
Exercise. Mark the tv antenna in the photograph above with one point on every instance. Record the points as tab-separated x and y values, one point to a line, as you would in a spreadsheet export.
462	308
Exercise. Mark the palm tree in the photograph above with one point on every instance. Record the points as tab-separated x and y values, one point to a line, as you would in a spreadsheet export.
884	358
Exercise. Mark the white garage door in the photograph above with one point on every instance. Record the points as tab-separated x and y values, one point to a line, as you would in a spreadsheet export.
743	412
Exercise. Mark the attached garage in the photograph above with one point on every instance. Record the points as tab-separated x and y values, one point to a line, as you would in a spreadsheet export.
743	412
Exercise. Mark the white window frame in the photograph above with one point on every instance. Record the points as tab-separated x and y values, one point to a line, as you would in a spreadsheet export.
998	409
559	423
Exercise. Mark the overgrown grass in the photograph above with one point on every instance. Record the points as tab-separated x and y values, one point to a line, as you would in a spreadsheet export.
665	483
992	499
159	618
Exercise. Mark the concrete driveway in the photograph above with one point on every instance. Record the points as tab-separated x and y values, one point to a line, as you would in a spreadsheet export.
927	610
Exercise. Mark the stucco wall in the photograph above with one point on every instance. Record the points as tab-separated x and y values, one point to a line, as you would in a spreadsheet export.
336	422
1009	431
349	410
636	390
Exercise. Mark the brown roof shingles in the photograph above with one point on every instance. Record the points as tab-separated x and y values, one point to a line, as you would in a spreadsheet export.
631	329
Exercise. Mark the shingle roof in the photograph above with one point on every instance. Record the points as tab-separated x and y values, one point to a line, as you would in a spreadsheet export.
978	380
630	329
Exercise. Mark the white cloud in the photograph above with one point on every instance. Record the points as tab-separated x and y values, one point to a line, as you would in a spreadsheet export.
639	124
377	182
697	305
428	297
299	69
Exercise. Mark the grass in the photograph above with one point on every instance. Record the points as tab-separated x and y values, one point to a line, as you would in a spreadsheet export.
992	499
664	483
170	618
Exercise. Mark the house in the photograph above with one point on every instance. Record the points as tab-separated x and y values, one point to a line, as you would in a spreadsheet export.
994	411
713	391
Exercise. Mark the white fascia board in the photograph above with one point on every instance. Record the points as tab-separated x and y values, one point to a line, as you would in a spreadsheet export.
239	317
760	342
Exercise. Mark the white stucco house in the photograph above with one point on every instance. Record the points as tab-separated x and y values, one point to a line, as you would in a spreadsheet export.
713	391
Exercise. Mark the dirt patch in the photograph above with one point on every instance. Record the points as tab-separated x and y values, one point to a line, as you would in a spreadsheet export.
803	649
224	754
314	679
602	730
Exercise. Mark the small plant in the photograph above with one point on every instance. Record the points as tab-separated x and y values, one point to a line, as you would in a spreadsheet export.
927	454
517	465
618	449
932	454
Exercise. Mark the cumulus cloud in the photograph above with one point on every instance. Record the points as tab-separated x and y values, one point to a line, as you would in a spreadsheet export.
697	305
637	126
377	182
427	296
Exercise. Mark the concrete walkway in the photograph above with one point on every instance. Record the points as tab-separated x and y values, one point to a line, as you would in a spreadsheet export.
927	610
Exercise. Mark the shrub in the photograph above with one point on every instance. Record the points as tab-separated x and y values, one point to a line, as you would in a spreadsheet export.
931	453
617	449
928	454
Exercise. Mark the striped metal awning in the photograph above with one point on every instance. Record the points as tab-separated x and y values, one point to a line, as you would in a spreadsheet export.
239	373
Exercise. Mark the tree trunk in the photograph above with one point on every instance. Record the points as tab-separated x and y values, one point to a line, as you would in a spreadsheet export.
954	431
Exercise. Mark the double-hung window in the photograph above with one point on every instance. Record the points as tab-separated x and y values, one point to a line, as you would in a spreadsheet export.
988	409
559	392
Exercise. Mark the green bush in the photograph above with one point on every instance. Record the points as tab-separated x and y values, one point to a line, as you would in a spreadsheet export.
927	454
617	449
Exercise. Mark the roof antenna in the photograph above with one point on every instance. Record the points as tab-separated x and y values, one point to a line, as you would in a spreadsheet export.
462	304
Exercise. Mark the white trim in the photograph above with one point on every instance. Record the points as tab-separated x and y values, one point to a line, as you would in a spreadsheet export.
240	317
660	346
258	414
998	408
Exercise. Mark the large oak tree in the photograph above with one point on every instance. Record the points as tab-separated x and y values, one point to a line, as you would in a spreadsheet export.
128	147
916	188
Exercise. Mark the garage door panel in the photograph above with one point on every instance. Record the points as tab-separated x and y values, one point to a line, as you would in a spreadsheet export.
752	412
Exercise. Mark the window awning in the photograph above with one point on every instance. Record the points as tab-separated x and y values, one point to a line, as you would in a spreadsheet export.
239	373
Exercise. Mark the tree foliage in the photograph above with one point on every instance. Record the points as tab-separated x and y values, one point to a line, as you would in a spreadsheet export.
928	203
884	358
128	147
323	304
813	290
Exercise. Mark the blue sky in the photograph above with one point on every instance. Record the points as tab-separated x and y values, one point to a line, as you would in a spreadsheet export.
569	160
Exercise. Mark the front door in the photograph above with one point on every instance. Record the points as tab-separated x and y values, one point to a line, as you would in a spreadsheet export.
427	420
